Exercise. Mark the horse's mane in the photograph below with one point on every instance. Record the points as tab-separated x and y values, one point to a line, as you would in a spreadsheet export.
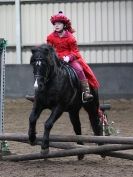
46	49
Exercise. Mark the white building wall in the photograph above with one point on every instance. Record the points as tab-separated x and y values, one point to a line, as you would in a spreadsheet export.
104	29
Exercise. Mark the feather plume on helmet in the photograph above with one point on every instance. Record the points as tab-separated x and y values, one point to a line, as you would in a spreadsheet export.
60	17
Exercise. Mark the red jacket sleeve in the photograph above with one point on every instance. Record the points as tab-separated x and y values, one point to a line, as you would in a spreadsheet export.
74	48
49	40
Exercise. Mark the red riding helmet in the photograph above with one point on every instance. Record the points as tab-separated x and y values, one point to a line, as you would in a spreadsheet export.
60	17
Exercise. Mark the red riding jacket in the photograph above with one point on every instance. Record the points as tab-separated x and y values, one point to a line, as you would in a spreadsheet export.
67	46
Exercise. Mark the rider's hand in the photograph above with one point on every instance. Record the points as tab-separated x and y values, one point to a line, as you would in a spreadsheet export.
66	59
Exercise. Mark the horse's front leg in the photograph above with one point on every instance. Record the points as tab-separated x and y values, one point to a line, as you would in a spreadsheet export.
36	111
56	113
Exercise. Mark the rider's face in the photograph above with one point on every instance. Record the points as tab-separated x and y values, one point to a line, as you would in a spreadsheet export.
58	26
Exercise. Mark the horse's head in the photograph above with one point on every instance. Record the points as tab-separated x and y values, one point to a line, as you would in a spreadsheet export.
41	61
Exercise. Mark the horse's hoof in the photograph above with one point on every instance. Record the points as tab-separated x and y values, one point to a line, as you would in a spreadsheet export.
103	156
80	157
32	143
45	151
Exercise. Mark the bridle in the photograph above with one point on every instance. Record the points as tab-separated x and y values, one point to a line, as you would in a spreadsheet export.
45	78
40	77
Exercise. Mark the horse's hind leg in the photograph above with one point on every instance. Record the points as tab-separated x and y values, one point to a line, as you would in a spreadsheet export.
92	110
74	117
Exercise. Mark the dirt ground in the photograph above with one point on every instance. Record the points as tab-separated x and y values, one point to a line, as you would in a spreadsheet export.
16	120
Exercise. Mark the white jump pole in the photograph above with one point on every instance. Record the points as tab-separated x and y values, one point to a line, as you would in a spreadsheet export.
3	144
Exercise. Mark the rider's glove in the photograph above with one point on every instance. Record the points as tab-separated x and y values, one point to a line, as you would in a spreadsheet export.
66	59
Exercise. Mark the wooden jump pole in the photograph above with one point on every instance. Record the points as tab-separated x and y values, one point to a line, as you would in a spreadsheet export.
20	137
69	152
120	155
63	145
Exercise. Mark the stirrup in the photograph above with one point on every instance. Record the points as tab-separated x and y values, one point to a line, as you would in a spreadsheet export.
85	101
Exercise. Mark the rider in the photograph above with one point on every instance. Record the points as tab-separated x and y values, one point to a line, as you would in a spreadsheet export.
66	48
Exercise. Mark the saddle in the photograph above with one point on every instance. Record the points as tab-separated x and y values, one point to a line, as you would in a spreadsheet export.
74	80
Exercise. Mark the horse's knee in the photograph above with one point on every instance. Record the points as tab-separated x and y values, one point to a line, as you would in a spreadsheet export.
48	125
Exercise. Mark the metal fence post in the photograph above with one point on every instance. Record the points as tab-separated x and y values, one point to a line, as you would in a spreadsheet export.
3	144
18	32
2	83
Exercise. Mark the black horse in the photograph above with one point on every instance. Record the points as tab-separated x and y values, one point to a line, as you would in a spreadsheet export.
58	89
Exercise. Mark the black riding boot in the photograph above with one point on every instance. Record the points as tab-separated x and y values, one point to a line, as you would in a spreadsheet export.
30	98
86	95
